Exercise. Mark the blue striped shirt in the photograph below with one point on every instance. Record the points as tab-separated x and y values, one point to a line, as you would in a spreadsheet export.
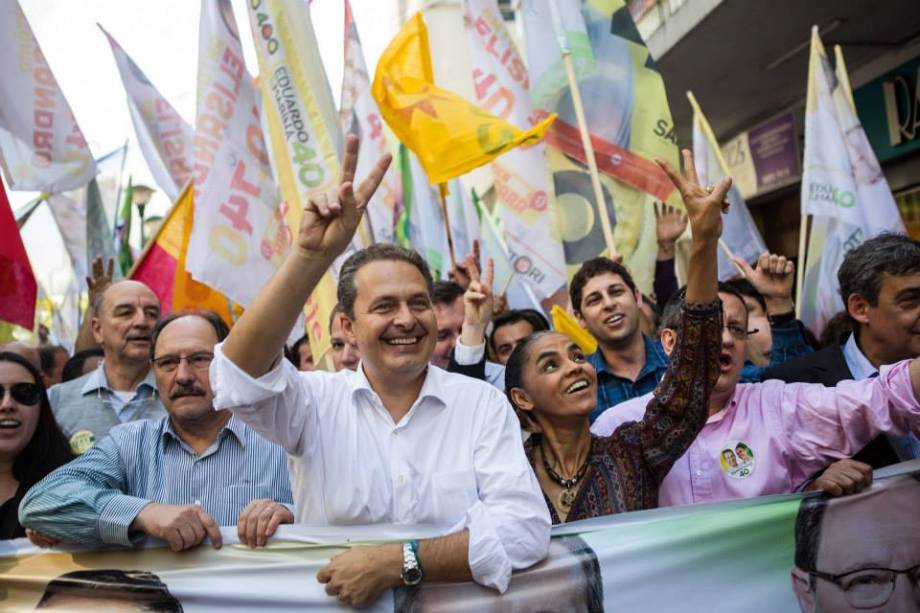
93	499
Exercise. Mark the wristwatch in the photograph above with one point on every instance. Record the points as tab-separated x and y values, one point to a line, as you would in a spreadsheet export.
412	569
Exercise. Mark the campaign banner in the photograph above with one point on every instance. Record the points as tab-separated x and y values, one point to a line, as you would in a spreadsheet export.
765	157
232	247
41	145
164	137
528	214
776	553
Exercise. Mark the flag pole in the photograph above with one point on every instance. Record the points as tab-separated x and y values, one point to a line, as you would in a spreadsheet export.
583	130
442	194
731	257
800	264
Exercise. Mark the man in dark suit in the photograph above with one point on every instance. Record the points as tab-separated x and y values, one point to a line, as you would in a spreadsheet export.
880	286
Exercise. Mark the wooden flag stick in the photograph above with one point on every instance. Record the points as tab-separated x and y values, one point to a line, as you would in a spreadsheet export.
589	152
442	193
800	265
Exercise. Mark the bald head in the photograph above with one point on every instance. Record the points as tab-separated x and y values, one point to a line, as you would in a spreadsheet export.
123	317
24	351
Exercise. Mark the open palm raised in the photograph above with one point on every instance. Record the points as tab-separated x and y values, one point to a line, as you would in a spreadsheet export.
331	218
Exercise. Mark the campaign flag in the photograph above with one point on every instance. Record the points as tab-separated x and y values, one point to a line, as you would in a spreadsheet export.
359	115
423	225
739	232
236	200
528	215
41	145
306	142
449	135
493	246
123	231
165	138
71	219
843	187
629	119
99	241
464	219
564	322
162	264
17	282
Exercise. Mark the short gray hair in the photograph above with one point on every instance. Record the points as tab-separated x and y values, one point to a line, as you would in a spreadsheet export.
864	267
347	291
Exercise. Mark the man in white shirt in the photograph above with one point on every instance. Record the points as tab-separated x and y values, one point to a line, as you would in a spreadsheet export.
398	441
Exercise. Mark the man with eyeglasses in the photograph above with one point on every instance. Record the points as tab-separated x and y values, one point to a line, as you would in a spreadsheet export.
860	553
789	432
176	478
122	388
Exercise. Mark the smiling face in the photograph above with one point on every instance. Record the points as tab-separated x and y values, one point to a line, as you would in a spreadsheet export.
557	380
610	310
394	323
186	389
18	417
126	317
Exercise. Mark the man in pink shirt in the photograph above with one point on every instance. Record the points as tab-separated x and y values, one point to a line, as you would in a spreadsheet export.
778	435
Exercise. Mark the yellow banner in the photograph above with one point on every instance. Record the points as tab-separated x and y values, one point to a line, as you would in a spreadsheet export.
449	135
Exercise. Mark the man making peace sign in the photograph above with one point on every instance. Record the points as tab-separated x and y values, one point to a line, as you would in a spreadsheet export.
399	441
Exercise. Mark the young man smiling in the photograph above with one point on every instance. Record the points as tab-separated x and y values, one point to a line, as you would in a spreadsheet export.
398	441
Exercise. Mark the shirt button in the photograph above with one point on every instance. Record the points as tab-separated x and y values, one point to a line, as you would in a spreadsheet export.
699	473
402	479
395	432
198	503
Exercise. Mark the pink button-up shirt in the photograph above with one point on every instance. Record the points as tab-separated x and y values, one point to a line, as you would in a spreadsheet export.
771	437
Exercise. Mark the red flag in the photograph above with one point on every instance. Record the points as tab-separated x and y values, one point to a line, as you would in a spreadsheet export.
18	289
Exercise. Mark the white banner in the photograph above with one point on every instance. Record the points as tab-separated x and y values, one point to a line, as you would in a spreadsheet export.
739	233
842	186
235	194
359	115
70	217
425	228
41	145
502	87
164	137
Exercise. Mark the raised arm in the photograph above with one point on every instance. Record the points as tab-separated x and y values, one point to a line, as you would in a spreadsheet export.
679	407
329	221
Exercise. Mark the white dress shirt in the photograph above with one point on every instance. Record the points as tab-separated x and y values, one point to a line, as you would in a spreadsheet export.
455	460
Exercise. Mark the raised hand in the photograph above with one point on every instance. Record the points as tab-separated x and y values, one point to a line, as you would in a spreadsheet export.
704	205
670	223
460	272
773	278
331	218
100	279
478	299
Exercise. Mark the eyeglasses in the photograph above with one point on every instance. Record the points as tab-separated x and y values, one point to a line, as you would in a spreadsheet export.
868	588
23	393
169	363
739	333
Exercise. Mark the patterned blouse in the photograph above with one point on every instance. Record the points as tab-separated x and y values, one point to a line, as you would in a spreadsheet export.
626	468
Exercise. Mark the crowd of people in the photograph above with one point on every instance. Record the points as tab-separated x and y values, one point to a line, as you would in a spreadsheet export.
446	407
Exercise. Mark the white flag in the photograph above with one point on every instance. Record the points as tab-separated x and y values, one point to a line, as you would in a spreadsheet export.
739	232
842	186
425	220
235	194
523	206
360	116
41	145
463	217
70	216
165	138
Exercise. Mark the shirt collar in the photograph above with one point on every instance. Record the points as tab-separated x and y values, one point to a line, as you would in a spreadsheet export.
234	427
433	387
655	358
97	380
857	362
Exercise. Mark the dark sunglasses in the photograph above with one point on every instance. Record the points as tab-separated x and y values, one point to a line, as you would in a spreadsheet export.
23	393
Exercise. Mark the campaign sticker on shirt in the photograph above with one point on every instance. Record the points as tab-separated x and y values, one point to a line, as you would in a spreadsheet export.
81	441
737	460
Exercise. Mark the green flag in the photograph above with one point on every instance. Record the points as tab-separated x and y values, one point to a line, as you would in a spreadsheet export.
123	231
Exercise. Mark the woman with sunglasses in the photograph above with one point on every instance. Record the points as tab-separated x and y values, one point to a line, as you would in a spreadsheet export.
31	444
554	389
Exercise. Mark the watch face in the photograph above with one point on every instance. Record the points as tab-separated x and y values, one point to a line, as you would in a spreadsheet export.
412	576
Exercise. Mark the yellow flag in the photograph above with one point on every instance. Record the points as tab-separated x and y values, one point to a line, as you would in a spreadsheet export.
449	135
566	324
